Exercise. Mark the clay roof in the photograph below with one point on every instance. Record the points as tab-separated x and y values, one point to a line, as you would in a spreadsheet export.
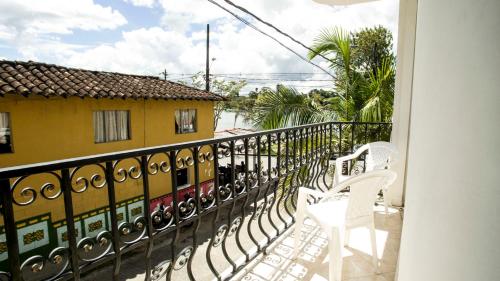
49	80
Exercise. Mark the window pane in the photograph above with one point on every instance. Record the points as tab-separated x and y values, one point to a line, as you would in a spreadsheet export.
111	125
185	121
178	129
192	120
122	124
5	134
99	126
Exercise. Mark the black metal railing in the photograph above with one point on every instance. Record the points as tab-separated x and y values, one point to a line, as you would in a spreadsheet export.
101	214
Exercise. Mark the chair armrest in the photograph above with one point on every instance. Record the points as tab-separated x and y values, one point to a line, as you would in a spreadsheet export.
311	192
340	160
304	192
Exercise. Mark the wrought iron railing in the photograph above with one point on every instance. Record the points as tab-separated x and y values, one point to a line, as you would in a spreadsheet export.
55	226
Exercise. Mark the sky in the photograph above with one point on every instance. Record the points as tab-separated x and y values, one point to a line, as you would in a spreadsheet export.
148	36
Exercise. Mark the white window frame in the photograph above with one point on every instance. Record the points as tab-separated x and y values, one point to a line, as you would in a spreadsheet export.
181	121
111	125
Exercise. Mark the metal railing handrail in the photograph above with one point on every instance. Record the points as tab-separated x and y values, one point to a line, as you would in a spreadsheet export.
41	167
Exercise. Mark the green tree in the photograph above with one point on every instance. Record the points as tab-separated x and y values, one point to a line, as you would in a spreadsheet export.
371	46
228	89
363	64
285	107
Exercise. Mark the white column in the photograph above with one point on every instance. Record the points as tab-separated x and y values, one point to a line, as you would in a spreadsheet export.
451	227
403	92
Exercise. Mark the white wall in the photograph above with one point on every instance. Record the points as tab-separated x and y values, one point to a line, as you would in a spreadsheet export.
451	227
402	98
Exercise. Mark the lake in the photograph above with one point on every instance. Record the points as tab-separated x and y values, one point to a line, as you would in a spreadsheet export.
227	121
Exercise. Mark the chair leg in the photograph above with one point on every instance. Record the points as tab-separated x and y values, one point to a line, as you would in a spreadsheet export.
335	251
374	247
386	201
299	223
346	237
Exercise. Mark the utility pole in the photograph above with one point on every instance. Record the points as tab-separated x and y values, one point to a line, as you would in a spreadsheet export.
207	71
164	73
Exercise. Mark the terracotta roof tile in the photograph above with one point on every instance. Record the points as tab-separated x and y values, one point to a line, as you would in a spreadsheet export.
33	78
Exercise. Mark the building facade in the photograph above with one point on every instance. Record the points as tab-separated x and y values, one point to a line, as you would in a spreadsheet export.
49	112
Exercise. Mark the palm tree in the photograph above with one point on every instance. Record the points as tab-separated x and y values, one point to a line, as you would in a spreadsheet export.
362	96
285	107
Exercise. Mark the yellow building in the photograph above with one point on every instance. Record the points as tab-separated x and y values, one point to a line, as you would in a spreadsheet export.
50	112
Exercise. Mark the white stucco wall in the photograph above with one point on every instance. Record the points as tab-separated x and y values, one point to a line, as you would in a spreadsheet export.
451	228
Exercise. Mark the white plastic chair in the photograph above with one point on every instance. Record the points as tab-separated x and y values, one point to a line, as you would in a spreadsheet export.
381	155
337	217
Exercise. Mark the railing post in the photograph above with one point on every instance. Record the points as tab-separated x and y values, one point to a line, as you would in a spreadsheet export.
10	230
147	216
70	223
114	220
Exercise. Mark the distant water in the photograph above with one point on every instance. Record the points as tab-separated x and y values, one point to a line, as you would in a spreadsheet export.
227	121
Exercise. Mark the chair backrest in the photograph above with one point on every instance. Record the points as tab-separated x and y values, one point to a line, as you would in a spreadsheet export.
381	155
363	193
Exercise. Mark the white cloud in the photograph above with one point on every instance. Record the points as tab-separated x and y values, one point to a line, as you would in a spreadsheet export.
178	43
141	3
180	14
142	51
58	16
34	26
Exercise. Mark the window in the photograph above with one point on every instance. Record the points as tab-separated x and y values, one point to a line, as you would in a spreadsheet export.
111	125
5	134
185	121
182	178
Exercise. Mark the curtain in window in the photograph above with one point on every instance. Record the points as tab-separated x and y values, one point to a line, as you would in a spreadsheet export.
99	135
185	121
178	122
111	125
192	120
4	128
122	124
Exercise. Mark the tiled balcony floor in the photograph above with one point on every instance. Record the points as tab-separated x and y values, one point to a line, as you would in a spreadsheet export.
312	263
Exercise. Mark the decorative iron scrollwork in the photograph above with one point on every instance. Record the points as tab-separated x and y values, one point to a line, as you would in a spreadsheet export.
45	268
121	174
183	162
5	276
94	248
49	190
162	218
219	235
235	225
95	179
183	258
158	162
187	208
160	270
132	232
225	192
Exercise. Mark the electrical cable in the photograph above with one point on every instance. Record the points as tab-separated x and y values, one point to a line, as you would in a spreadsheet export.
275	28
269	36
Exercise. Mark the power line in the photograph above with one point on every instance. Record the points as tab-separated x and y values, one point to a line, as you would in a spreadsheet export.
269	36
271	79
275	28
255	73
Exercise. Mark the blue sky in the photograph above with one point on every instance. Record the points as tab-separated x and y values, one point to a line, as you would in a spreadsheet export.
147	36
